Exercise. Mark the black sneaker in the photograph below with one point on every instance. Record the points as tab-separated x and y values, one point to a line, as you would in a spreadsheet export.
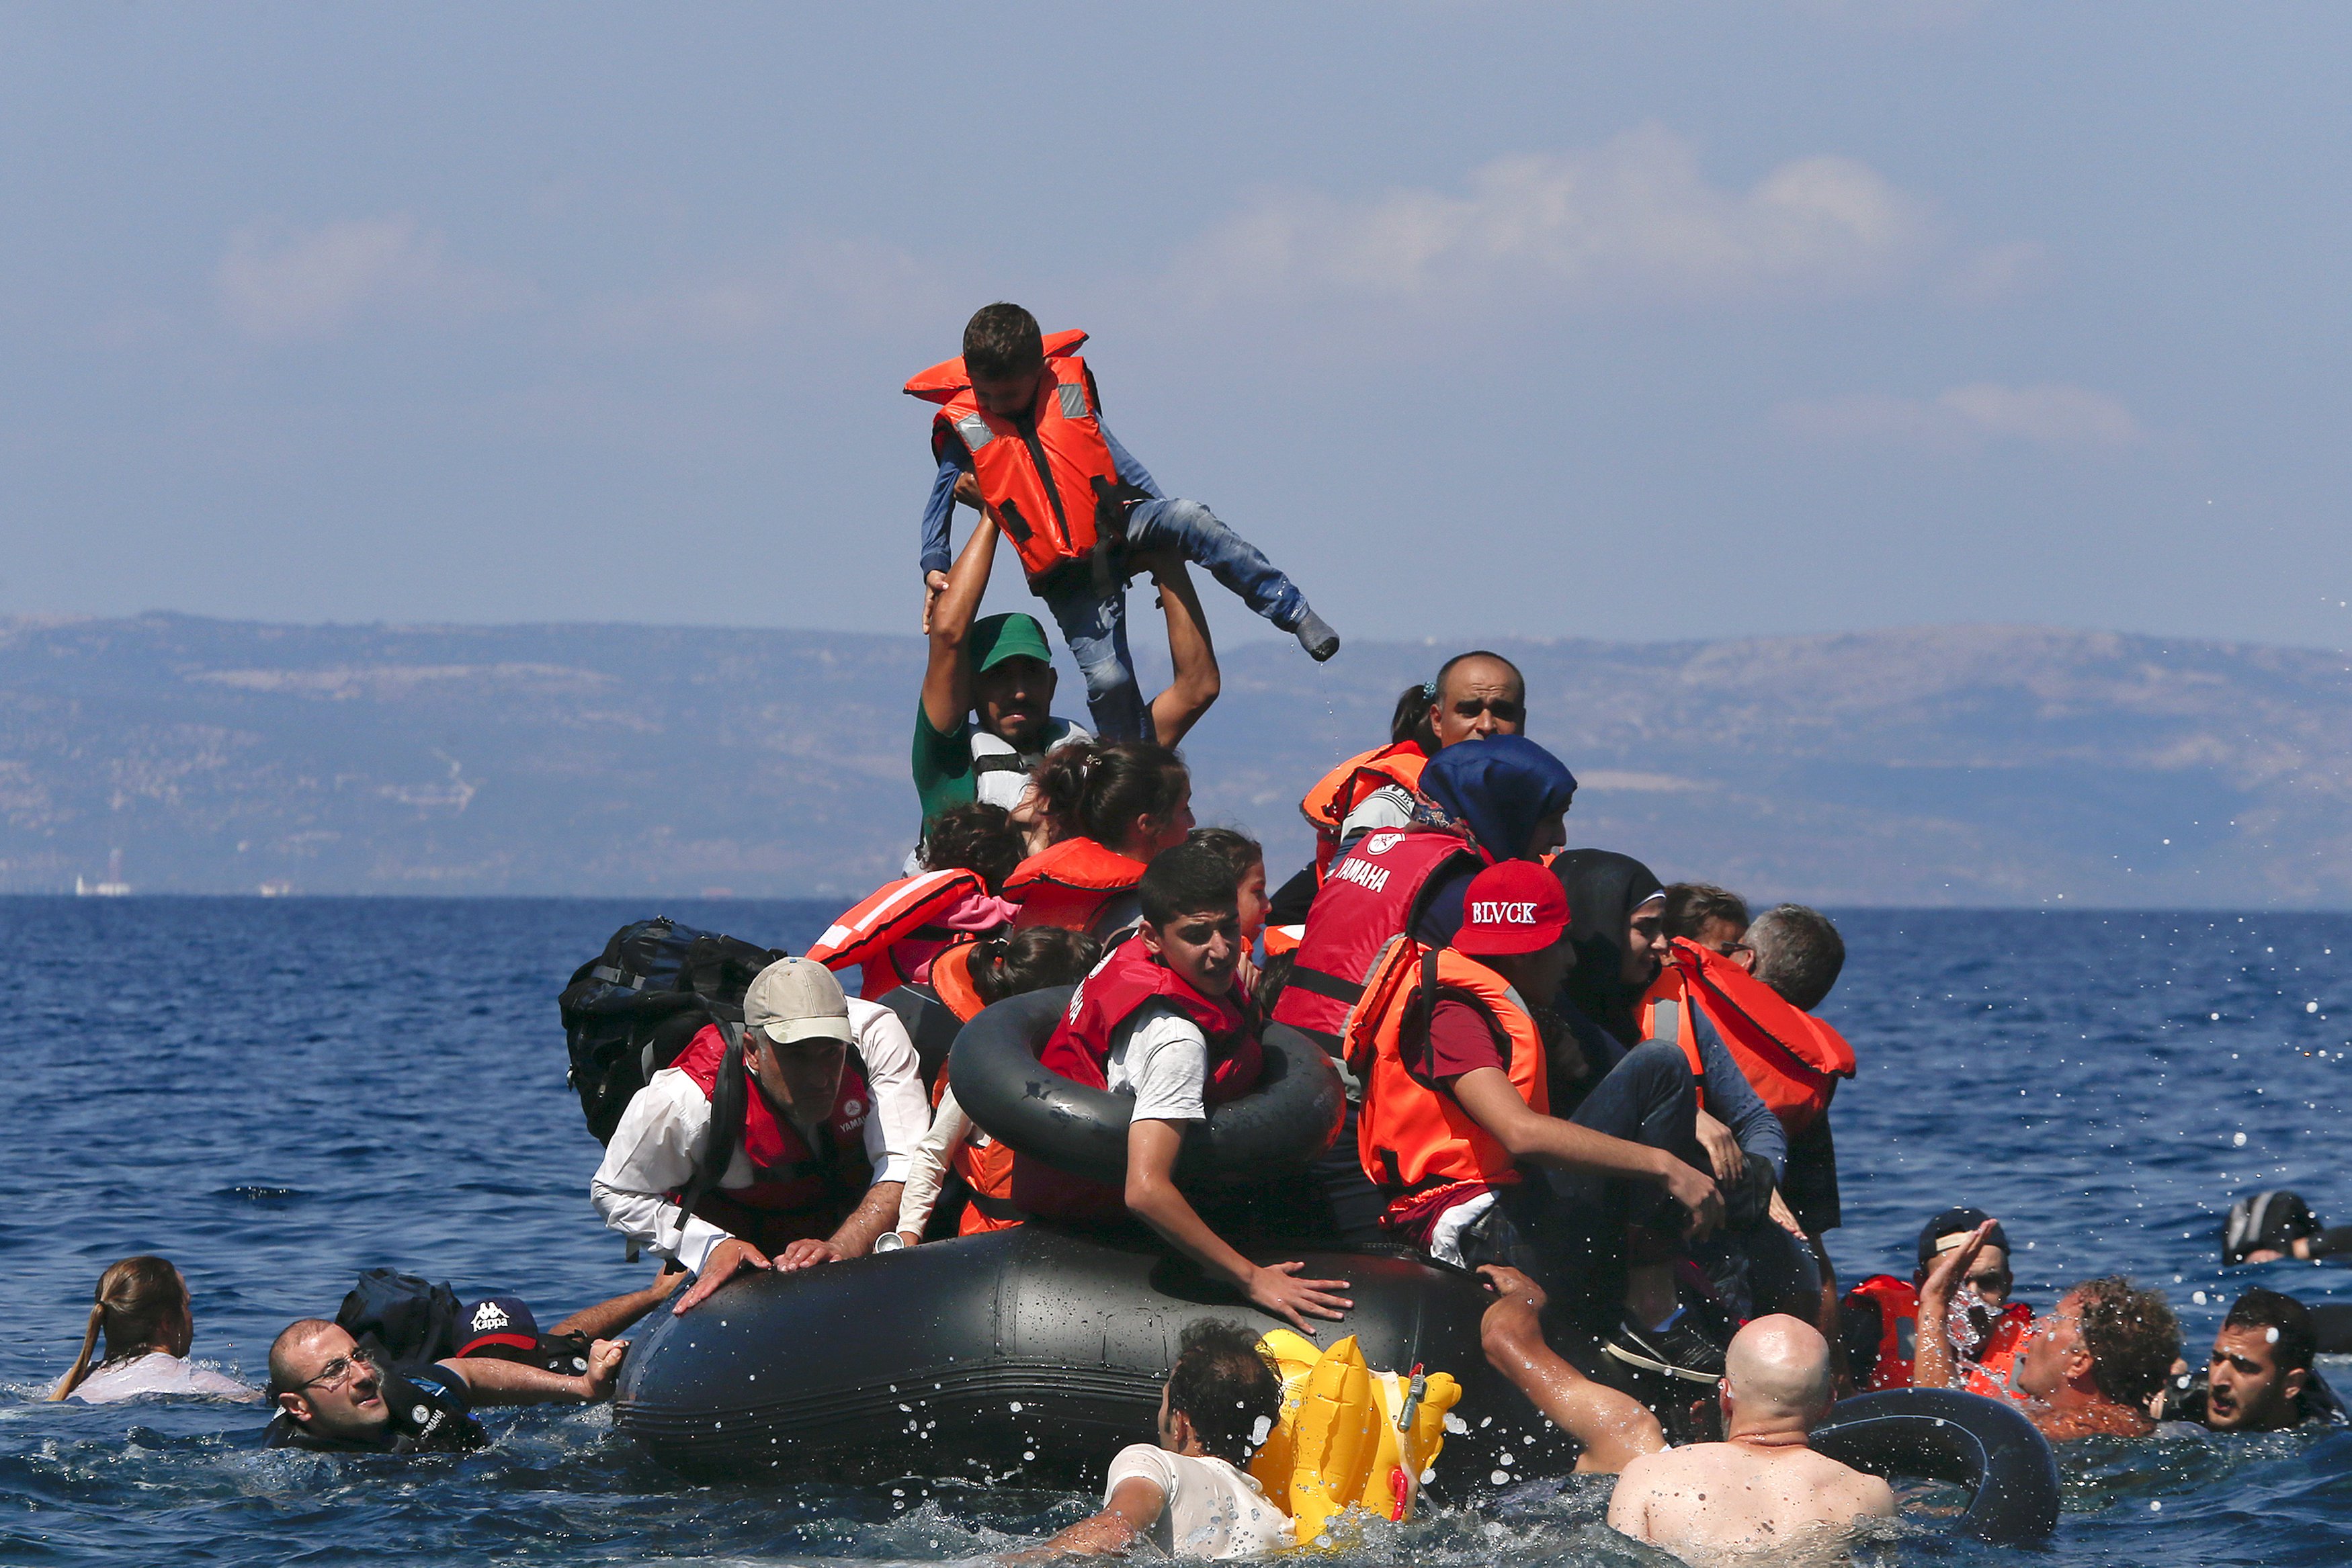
1680	1350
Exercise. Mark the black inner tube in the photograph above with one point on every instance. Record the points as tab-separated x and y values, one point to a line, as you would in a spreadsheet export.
1943	1434
1276	1129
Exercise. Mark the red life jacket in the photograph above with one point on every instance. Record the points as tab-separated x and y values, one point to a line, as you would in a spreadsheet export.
1338	793
1070	883
1899	1339
1793	1060
795	1191
891	931
1370	896
1050	483
1079	1050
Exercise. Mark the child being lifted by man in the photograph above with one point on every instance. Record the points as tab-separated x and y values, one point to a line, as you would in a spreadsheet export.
1020	414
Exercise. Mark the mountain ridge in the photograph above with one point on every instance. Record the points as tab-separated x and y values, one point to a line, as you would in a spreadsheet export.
1968	764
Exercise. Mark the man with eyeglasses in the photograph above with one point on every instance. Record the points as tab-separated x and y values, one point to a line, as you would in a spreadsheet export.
1880	1317
330	1395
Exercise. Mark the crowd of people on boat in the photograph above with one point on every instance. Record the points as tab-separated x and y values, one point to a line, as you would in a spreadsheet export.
1608	1095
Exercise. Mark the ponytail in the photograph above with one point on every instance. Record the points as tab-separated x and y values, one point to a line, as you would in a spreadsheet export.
1095	790
134	1303
1031	959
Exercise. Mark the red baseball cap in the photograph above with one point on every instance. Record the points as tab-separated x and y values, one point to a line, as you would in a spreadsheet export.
1515	906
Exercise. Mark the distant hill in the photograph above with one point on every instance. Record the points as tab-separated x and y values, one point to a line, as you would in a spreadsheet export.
1969	765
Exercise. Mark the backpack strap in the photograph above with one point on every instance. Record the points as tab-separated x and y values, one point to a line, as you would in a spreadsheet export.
727	1103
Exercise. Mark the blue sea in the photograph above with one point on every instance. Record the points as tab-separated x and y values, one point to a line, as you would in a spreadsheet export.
276	1094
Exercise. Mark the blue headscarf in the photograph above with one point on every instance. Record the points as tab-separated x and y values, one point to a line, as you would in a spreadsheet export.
1499	789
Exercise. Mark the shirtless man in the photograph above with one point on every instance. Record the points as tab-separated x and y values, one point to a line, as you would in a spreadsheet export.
2089	1365
1762	1492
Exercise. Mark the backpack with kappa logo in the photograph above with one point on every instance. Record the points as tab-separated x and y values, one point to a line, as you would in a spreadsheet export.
628	1012
409	1319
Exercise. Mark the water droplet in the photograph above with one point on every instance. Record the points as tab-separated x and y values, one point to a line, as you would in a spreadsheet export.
2238	1141
1500	1477
2155	1505
2311	1006
2197	1297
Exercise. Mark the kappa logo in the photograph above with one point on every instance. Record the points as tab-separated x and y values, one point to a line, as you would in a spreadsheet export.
1381	843
488	1318
1502	912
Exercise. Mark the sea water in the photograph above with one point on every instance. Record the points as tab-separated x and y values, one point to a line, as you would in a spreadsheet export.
276	1094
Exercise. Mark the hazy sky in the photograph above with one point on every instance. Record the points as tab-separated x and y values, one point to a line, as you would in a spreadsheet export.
1623	320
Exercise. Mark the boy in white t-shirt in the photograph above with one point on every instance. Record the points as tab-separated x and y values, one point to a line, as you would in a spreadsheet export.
1189	1494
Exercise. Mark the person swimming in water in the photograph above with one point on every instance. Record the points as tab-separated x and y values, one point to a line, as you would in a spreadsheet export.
141	1305
2259	1376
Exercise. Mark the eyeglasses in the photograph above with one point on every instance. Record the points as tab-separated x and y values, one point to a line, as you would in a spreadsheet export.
1503	709
1990	1281
1728	948
338	1372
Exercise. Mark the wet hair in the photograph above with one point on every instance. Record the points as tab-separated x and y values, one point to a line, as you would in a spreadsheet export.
284	1376
1097	789
1436	688
975	837
2132	1335
1241	851
134	1303
1189	879
1411	720
1691	904
2293	1340
1002	340
1224	1383
1031	959
1798	952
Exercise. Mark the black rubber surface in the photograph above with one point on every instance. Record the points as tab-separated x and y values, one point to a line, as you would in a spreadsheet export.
1943	1434
1274	1130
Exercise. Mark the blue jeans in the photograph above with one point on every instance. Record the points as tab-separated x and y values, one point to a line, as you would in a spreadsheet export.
1095	624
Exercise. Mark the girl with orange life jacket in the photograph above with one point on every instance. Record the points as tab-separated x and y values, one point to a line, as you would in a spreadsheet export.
1110	807
1496	800
1020	413
893	933
967	979
1160	1019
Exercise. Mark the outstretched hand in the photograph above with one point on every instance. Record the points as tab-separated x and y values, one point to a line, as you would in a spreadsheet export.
605	1359
1277	1288
721	1266
1951	1270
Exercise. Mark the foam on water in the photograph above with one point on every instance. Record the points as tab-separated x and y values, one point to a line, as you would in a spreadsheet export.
278	1094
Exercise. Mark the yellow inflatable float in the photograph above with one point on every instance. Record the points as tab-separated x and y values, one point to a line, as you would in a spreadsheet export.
1349	1436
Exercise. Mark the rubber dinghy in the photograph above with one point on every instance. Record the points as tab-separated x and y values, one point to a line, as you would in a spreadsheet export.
1030	1353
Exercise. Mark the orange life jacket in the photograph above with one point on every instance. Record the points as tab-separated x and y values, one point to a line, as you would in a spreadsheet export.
797	1190
1412	1136
985	1165
1372	896
1339	792
1069	885
1079	1050
1899	1339
870	933
951	978
1050	482
1791	1059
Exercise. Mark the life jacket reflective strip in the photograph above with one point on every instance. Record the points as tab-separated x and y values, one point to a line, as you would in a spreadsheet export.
1068	884
1281	939
796	1190
1000	775
1126	978
1373	893
1335	797
1791	1059
1051	483
870	931
1899	1329
1412	1136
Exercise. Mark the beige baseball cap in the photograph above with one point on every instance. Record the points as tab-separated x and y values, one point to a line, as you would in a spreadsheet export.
797	998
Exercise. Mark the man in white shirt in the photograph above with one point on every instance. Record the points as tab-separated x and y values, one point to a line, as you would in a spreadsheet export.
824	1100
1189	1494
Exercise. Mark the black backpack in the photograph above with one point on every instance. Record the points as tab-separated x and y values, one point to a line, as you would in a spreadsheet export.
627	1014
411	1320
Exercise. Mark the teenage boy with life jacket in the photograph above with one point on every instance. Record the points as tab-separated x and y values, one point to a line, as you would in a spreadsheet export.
1502	799
1879	1318
1160	1019
1459	1130
781	1145
1021	414
1475	696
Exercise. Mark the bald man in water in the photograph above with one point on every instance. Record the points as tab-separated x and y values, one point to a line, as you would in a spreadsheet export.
1762	1492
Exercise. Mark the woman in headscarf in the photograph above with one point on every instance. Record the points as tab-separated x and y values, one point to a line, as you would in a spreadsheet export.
1508	796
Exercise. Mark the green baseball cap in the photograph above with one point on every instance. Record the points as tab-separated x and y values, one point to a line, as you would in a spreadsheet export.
996	638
